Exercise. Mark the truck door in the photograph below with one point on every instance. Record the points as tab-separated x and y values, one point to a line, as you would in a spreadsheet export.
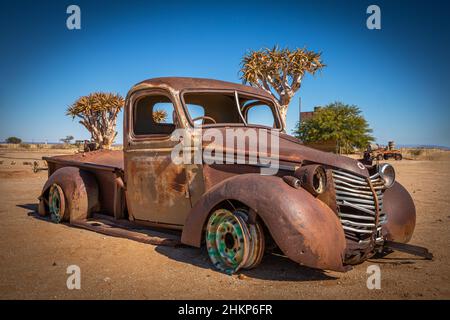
157	188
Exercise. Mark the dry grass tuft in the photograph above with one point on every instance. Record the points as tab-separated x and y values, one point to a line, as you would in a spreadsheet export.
425	154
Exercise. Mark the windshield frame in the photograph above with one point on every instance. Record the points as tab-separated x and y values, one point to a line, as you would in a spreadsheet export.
270	102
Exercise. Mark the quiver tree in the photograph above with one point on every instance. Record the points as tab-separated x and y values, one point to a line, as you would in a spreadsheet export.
279	72
67	139
98	114
159	116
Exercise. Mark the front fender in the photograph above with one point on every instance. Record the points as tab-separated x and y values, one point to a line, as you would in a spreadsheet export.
304	228
401	214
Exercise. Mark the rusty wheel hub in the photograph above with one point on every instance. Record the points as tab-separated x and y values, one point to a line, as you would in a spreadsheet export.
56	203
232	242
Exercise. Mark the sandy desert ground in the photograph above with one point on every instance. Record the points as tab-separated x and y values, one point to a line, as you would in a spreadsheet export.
34	253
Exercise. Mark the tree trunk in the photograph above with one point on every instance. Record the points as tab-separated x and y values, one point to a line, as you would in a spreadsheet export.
283	114
106	143
103	131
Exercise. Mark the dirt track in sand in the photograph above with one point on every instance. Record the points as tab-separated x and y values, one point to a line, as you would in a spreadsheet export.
35	253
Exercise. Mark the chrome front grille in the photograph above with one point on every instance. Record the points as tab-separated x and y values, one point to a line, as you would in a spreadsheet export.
357	207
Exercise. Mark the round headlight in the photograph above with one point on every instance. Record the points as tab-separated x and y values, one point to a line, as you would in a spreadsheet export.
313	178
387	173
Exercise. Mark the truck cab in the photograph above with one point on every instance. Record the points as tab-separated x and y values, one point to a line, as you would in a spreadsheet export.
153	180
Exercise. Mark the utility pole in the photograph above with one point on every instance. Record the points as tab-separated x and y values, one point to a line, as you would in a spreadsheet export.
299	110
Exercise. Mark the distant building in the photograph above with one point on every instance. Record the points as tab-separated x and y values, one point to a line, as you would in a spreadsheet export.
308	114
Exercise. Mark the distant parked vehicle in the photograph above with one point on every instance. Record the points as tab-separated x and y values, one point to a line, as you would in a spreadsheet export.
384	153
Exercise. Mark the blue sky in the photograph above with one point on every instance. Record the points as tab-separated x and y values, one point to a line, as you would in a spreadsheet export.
398	76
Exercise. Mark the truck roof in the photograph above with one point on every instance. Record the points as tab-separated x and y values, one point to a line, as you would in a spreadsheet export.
185	83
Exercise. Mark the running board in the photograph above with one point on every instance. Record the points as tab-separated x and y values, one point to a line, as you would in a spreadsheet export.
126	229
409	248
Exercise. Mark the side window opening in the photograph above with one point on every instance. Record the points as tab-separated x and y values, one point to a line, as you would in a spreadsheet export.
154	114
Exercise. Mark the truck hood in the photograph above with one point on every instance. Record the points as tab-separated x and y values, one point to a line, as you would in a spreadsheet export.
292	150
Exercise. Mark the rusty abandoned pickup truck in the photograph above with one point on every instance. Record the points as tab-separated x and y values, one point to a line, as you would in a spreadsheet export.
321	210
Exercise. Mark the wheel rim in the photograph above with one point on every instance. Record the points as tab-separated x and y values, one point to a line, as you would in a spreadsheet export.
225	241
56	203
232	243
256	241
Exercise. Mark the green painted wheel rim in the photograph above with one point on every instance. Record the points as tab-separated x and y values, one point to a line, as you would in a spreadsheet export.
54	204
233	242
225	241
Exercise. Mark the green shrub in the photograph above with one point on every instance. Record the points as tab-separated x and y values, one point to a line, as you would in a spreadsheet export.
416	152
13	140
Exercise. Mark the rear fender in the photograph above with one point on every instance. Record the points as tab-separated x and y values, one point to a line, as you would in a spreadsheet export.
80	189
304	228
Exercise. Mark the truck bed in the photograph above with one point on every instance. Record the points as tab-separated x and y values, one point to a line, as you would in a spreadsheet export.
101	159
106	166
